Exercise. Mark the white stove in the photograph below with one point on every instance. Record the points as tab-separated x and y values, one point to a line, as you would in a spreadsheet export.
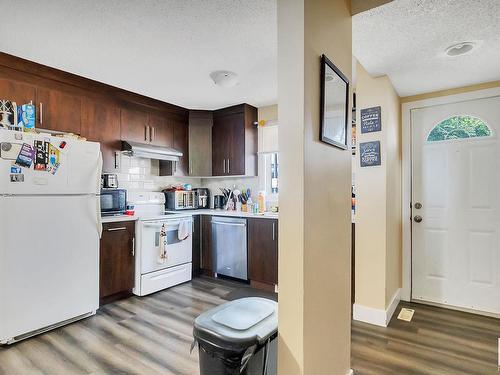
158	268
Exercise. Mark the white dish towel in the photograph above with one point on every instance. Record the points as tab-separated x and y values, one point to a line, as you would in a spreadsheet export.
162	256
183	232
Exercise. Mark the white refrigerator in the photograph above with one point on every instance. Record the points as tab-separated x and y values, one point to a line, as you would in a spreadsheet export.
50	225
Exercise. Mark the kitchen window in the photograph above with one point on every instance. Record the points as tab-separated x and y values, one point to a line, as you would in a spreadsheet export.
269	161
269	175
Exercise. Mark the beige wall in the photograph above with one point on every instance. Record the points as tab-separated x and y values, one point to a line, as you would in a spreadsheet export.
314	247
268	113
458	90
378	198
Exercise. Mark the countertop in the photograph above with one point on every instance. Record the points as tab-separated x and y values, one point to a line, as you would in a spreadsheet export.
266	215
117	218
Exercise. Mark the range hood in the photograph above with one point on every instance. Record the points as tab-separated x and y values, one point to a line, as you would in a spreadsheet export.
141	150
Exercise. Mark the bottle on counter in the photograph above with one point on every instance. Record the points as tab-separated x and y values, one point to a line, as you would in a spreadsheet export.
262	201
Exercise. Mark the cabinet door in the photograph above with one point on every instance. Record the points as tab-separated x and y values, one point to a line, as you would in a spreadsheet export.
59	110
236	154
206	243
200	143
18	92
181	143
101	123
116	264
221	137
162	132
134	125
263	250
196	245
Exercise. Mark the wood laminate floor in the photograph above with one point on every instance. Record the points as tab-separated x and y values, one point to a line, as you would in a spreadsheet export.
152	335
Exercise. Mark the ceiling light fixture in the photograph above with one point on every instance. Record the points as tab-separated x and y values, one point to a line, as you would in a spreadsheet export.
224	78
460	48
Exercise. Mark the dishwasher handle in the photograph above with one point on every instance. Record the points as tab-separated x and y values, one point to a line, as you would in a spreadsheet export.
229	224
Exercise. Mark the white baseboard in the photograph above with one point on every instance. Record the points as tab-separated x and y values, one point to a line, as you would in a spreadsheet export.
376	316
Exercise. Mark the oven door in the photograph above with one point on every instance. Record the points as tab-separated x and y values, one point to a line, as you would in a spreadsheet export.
178	252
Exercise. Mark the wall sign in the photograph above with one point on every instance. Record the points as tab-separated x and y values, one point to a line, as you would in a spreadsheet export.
370	120
369	154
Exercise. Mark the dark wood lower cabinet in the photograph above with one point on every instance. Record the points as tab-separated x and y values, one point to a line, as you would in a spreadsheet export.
117	260
263	250
196	245
206	244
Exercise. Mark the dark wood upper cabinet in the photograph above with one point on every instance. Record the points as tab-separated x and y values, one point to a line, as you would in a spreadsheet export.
117	258
200	143
19	92
59	110
181	143
162	133
263	250
134	125
234	141
221	135
101	123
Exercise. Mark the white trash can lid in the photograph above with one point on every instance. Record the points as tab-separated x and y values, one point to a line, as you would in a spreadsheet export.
238	324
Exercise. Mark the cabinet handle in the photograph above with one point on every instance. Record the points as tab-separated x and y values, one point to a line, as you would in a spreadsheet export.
146	133
152	134
133	247
116	229
41	113
228	171
224	165
273	232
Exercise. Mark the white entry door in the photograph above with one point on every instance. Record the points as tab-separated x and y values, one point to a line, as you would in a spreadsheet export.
456	204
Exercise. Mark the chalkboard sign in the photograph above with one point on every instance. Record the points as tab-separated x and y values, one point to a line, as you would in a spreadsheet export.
370	120
369	153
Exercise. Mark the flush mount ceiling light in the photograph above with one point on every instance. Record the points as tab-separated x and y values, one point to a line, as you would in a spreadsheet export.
224	78
460	48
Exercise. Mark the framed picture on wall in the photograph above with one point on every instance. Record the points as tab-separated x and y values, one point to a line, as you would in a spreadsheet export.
334	101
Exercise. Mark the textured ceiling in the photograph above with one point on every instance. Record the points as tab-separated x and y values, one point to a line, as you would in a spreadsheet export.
164	49
406	39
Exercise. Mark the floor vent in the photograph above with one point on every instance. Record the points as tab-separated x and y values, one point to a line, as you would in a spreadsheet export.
406	314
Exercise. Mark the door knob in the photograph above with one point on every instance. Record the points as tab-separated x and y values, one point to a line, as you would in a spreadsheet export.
417	218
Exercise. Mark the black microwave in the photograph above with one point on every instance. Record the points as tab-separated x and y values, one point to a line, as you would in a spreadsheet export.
113	201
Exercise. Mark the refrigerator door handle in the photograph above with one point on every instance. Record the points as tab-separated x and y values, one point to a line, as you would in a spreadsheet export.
97	197
99	173
98	214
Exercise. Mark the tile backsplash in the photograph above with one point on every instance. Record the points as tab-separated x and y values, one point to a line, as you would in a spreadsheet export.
143	174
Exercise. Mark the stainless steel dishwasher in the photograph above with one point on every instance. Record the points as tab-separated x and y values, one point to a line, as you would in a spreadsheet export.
229	246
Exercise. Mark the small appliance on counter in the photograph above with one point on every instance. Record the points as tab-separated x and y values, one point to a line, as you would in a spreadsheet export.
180	200
219	202
109	181
113	202
202	196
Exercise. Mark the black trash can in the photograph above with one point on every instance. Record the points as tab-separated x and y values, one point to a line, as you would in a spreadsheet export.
238	337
